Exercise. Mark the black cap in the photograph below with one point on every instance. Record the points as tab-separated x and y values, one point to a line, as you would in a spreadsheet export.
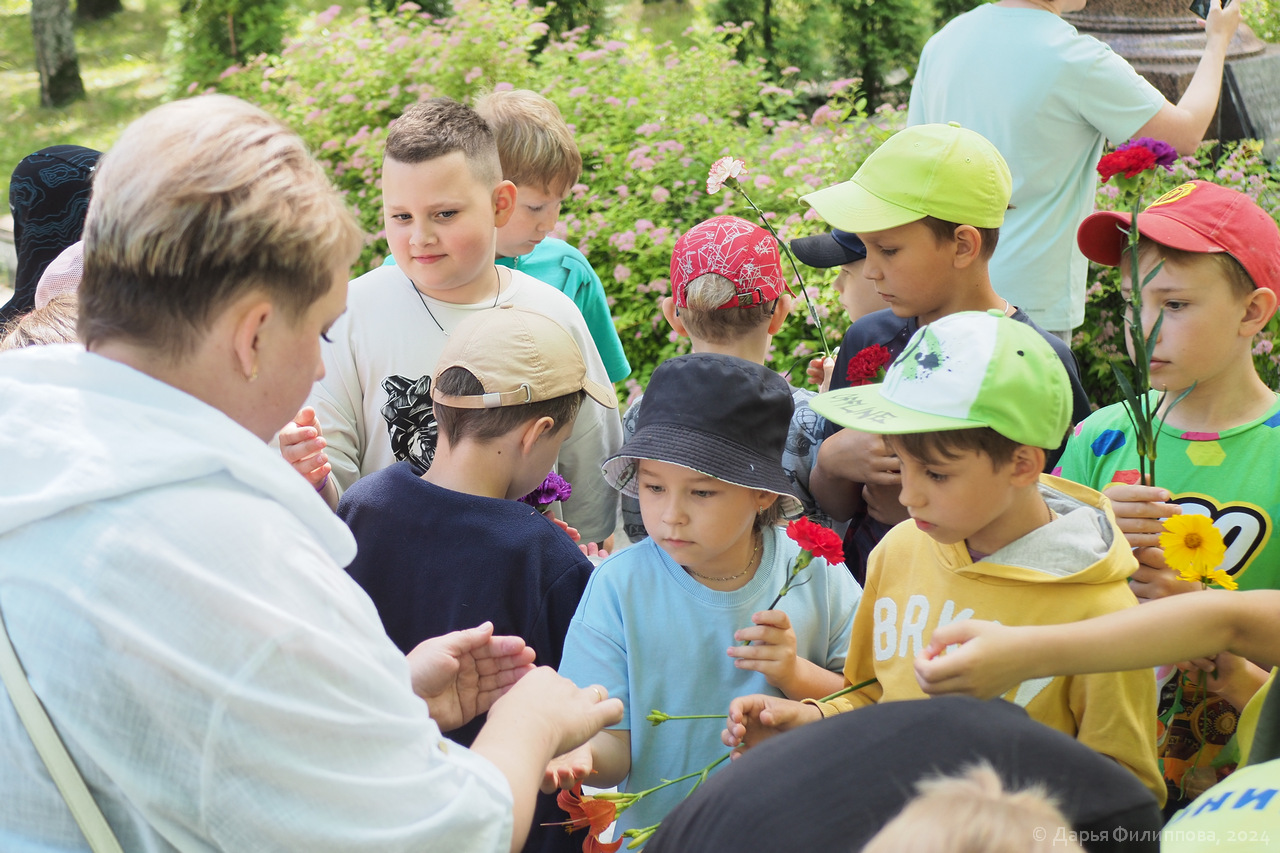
831	249
722	416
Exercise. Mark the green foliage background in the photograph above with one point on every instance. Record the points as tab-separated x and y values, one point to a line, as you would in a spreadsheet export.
649	119
650	116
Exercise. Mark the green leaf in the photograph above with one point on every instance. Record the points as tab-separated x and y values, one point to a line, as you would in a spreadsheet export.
1130	398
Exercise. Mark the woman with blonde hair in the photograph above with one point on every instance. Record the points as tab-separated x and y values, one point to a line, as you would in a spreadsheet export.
174	590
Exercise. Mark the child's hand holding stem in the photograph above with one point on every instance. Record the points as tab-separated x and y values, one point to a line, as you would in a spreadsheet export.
772	652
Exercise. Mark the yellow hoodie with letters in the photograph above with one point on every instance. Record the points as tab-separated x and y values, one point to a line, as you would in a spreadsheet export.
1074	567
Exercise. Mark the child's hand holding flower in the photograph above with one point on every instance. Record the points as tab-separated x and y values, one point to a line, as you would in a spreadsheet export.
769	648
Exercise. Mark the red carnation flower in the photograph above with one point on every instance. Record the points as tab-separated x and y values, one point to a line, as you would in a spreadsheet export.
1131	161
818	540
868	365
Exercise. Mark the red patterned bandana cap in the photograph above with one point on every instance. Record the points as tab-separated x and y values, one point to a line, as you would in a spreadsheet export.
734	248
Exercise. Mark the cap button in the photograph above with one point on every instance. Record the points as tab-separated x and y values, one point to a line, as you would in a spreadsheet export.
953	124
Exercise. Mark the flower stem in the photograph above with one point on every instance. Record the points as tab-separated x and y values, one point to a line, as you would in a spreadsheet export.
658	718
630	798
786	250
849	689
796	569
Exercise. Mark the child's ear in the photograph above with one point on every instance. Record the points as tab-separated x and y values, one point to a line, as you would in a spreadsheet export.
504	203
780	312
669	311
968	245
1258	310
535	430
764	499
1028	463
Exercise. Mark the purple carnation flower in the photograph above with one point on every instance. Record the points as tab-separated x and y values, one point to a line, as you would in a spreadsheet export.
554	488
1166	155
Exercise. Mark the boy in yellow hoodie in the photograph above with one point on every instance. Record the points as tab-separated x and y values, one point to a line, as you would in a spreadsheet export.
970	407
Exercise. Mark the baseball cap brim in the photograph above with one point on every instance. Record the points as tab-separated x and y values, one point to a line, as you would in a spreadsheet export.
707	454
823	251
865	409
850	207
601	393
1104	235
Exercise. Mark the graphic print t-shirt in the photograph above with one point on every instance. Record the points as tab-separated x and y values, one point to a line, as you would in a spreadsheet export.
1227	476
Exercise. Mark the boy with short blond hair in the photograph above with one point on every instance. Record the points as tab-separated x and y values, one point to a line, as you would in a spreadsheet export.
443	198
1220	267
539	156
971	407
927	205
730	296
442	548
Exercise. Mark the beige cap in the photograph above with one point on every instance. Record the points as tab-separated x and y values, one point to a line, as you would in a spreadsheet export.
520	356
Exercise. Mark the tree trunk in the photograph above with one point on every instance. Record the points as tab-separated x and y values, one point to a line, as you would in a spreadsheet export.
96	10
766	25
56	59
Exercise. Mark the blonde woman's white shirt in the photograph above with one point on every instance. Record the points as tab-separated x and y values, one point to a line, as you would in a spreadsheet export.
175	593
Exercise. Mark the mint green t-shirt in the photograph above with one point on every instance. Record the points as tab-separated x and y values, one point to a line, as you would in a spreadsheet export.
568	270
1046	96
1230	476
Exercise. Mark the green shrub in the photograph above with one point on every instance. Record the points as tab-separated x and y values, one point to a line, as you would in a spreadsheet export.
876	41
1263	19
649	120
209	35
1100	340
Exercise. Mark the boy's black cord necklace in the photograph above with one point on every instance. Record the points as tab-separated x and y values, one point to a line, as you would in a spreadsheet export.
431	313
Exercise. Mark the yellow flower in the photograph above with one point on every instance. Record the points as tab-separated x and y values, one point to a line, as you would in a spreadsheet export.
1193	547
1222	579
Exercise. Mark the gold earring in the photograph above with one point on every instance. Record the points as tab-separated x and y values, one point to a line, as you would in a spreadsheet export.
253	377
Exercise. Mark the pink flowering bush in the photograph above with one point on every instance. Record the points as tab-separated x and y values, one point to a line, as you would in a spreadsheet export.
1100	340
649	120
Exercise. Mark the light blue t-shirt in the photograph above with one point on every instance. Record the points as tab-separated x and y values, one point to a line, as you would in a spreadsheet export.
656	638
1046	96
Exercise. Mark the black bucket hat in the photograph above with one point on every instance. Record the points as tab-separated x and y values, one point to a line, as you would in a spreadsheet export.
831	249
722	416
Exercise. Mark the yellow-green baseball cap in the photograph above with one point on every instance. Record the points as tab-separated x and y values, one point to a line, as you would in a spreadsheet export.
939	170
965	370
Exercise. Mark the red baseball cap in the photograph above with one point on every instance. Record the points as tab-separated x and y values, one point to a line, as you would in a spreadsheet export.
1195	217
742	252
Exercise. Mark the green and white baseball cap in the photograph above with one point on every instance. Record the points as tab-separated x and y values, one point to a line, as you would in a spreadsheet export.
966	370
939	170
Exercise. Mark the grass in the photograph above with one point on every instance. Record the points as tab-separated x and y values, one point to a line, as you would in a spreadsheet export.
124	68
125	73
121	62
